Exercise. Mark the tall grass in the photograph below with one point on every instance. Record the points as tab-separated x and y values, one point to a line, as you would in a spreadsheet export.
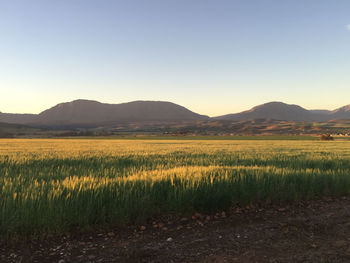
51	186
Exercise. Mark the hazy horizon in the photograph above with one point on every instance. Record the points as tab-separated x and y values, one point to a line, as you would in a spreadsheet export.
212	57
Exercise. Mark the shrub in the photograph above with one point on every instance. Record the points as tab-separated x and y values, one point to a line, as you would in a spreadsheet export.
326	137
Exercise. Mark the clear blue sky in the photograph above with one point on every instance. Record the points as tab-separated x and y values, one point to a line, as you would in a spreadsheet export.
214	57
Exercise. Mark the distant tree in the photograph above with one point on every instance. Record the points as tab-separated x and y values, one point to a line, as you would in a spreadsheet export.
326	137
6	135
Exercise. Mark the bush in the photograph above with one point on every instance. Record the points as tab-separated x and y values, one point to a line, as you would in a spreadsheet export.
326	137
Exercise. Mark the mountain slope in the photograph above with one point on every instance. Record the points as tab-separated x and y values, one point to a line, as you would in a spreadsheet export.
89	112
277	111
83	113
17	118
341	113
8	130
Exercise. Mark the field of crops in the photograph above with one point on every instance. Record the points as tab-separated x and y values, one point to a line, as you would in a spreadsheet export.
52	186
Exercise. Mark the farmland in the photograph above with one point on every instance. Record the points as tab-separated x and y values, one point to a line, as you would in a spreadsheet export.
50	186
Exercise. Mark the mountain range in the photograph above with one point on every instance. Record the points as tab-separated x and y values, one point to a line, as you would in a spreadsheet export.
288	112
80	113
88	112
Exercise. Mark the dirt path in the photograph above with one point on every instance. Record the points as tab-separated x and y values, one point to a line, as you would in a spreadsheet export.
317	231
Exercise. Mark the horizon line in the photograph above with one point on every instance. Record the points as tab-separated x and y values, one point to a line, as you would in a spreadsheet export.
140	100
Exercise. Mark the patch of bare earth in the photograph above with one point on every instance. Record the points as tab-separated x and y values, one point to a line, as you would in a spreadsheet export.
315	231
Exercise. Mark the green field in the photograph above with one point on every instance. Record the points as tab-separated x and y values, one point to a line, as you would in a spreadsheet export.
52	186
201	137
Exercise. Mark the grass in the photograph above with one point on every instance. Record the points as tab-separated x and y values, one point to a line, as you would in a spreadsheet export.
50	186
199	137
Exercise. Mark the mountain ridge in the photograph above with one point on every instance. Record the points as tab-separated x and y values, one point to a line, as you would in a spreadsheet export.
90	112
287	112
79	112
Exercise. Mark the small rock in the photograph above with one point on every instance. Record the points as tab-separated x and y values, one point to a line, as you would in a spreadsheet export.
142	228
111	234
200	223
198	215
340	243
164	228
61	261
169	239
348	251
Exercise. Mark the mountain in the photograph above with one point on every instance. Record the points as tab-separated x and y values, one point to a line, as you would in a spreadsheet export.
17	118
87	112
8	130
341	113
320	111
278	111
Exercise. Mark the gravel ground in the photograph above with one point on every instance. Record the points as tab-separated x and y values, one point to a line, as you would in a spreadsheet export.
315	231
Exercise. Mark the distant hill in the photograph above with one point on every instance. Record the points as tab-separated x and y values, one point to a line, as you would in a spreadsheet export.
17	118
341	113
320	111
287	112
8	130
90	114
87	112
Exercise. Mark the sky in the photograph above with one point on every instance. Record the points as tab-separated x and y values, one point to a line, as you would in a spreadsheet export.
214	57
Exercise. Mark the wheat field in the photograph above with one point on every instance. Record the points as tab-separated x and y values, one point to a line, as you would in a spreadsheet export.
49	186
